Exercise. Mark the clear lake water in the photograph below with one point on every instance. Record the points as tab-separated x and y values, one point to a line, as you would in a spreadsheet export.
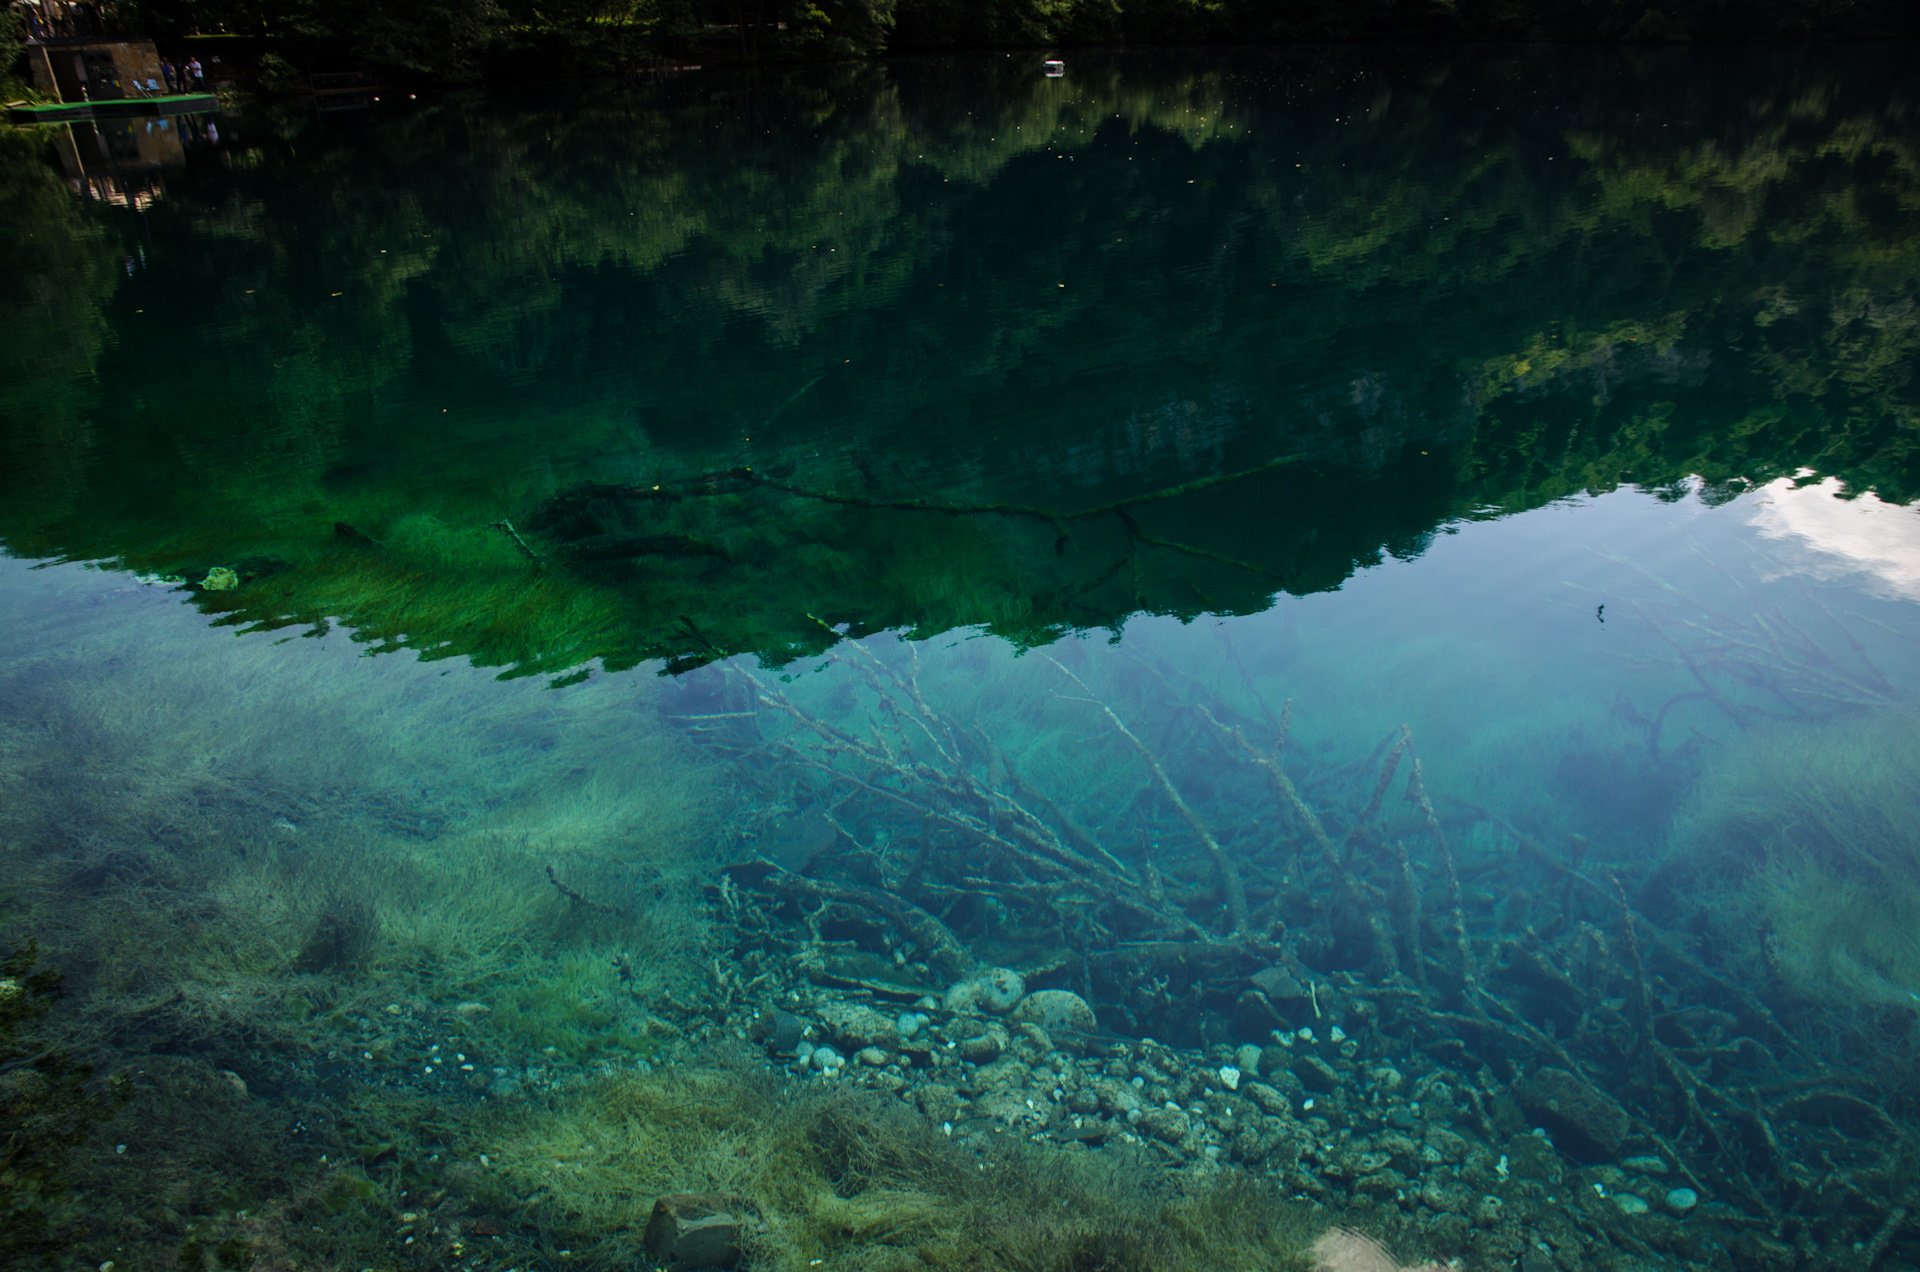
1259	659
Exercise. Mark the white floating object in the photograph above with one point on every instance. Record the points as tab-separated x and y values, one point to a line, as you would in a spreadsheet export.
1055	68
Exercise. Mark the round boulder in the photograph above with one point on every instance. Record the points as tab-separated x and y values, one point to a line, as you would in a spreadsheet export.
1055	1010
996	990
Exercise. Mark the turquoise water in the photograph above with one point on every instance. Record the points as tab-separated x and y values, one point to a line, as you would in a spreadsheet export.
567	648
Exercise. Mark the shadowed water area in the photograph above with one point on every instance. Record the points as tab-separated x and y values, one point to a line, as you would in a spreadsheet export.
1295	659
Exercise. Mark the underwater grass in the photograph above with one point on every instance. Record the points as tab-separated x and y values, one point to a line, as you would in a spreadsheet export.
1815	829
253	865
856	1179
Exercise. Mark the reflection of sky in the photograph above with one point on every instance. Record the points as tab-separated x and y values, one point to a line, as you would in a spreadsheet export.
1859	536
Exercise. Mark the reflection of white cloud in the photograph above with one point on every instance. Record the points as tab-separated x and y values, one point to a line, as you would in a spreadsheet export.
1845	536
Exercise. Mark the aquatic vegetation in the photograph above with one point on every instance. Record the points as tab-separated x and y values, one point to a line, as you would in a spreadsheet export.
48	1107
1814	831
1389	864
1200	879
315	925
860	1180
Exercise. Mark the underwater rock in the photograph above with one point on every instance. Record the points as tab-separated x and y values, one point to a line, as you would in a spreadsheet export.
1116	1098
1384	1186
688	1231
779	1031
855	1025
1316	1074
1006	1107
1448	1146
1168	1125
939	1102
220	579
985	1047
996	989
1246	1058
471	1011
1055	1010
1681	1200
1269	1099
1582	1120
1280	985
1344	1250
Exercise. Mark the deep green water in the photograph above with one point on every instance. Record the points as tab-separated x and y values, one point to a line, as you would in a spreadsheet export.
966	489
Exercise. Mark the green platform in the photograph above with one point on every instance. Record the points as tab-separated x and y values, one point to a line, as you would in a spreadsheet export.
115	108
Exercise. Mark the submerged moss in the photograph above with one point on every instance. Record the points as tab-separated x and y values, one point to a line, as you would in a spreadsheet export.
858	1180
1817	826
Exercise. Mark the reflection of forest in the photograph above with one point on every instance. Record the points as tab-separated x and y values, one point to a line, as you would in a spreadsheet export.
1451	288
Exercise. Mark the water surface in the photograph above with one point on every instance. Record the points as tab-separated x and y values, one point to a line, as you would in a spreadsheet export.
1412	542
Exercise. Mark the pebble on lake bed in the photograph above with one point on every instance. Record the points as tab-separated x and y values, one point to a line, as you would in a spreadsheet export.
1681	1200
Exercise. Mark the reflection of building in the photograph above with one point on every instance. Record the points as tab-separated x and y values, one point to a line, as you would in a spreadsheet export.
122	160
117	98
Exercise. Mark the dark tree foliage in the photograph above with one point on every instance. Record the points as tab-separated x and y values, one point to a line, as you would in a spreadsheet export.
454	41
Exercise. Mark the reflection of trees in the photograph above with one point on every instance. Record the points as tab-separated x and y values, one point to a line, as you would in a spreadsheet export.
1400	276
57	266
